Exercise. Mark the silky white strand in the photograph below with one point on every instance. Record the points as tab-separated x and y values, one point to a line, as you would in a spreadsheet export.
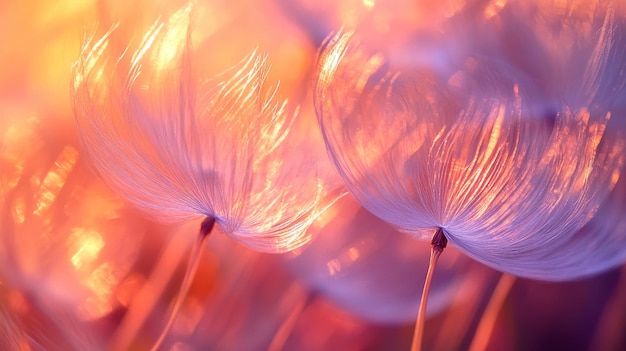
510	158
180	146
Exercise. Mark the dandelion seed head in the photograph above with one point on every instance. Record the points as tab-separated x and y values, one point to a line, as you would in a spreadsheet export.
182	146
466	146
366	267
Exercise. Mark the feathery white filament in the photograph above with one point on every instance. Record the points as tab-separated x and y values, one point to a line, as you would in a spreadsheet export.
179	146
510	158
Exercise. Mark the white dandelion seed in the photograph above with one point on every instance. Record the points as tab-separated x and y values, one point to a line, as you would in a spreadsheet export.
506	158
473	149
366	267
180	146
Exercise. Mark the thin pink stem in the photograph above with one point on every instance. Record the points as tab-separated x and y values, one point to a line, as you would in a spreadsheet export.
488	320
286	328
439	243
192	268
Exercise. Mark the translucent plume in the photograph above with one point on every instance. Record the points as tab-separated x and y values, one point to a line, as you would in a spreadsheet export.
369	269
509	159
181	146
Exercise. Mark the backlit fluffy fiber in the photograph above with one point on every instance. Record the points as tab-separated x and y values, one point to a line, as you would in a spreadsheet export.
503	127
181	146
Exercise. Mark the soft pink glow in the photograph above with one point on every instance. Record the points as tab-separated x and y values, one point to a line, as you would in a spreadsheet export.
501	121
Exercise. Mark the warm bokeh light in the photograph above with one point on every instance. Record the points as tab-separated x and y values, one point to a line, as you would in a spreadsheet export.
500	121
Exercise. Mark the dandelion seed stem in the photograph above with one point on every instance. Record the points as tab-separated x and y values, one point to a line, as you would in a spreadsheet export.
488	320
192	267
438	243
286	328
